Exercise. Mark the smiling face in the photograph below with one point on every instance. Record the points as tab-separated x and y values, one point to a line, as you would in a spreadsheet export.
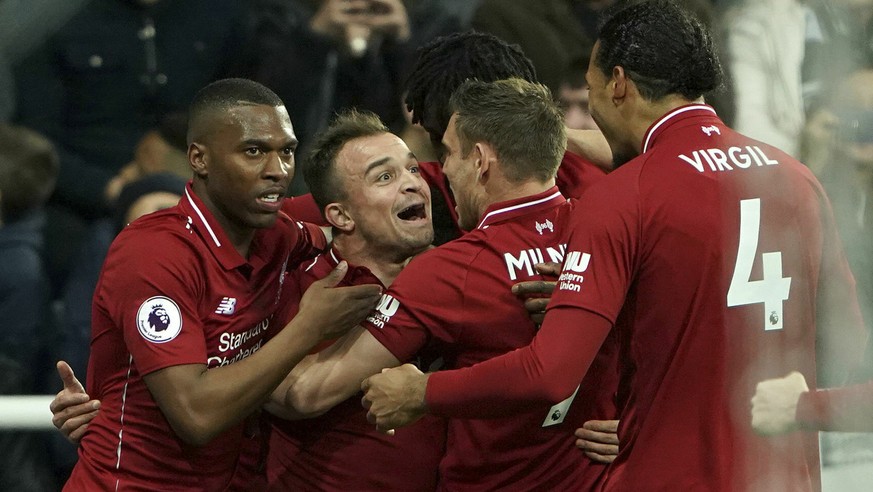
385	197
461	172
244	166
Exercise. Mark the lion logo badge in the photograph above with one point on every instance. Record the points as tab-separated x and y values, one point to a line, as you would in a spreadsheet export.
159	319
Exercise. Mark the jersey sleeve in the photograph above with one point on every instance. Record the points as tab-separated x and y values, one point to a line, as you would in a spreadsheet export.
307	240
848	409
421	305
155	301
576	174
547	370
304	208
601	251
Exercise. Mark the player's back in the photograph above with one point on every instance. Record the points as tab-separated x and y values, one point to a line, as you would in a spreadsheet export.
732	249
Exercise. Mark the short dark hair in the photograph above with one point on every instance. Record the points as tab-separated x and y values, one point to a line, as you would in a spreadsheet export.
662	47
222	95
445	63
28	171
519	119
319	168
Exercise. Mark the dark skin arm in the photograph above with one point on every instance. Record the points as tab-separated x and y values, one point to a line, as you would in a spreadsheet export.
199	403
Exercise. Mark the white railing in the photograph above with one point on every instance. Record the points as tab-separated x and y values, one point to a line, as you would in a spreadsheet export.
26	412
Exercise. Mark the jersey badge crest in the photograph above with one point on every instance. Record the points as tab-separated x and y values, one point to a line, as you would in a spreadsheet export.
159	319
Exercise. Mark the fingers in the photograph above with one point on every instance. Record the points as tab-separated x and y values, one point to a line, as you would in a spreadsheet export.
72	416
537	305
551	268
600	458
73	429
534	287
69	379
336	275
602	426
368	291
598	440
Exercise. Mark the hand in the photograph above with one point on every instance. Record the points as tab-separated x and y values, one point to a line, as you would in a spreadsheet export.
395	398
774	404
72	409
335	310
537	293
389	18
598	440
334	17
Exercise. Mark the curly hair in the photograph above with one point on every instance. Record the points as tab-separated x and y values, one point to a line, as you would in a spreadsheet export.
662	47
444	64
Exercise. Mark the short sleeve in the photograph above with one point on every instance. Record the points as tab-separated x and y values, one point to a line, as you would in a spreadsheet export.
151	293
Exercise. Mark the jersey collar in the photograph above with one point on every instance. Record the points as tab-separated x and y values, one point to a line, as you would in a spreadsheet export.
678	114
213	235
357	275
510	209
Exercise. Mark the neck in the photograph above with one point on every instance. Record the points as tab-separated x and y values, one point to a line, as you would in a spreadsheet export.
513	191
648	113
356	251
240	237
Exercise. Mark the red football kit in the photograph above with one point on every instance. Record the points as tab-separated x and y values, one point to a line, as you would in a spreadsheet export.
716	258
339	450
457	297
174	291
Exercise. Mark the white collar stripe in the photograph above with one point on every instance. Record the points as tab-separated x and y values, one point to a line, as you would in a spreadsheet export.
669	116
202	218
516	207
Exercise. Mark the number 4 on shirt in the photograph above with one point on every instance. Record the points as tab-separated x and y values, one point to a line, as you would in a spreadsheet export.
773	288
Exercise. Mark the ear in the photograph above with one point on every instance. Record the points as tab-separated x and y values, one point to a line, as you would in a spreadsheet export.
337	216
619	84
484	154
197	160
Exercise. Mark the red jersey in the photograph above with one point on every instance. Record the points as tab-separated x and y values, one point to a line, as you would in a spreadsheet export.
713	255
339	450
458	297
174	291
840	409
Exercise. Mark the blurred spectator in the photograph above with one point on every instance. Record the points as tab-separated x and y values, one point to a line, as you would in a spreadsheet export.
573	96
28	169
99	83
324	55
838	143
546	31
783	53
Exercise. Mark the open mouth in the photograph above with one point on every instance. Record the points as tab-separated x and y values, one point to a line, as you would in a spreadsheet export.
414	212
270	198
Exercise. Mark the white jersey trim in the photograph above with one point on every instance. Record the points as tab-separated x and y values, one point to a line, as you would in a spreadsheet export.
516	207
669	116
202	219
121	420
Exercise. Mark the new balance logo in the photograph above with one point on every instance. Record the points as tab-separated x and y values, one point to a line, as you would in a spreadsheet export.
709	130
227	306
546	225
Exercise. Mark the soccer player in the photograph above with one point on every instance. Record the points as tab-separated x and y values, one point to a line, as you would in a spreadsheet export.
368	184
503	146
187	298
786	404
714	256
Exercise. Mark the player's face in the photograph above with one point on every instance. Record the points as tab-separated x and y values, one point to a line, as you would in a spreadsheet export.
605	113
249	163
461	171
386	197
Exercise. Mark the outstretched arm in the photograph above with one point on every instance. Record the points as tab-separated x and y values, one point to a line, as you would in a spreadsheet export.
547	370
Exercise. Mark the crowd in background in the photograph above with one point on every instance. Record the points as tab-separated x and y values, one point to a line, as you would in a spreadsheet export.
93	129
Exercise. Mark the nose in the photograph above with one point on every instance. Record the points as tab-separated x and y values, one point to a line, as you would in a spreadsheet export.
412	182
279	167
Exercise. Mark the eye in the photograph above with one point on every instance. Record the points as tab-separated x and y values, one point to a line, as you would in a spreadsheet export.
253	151
288	150
386	176
414	169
